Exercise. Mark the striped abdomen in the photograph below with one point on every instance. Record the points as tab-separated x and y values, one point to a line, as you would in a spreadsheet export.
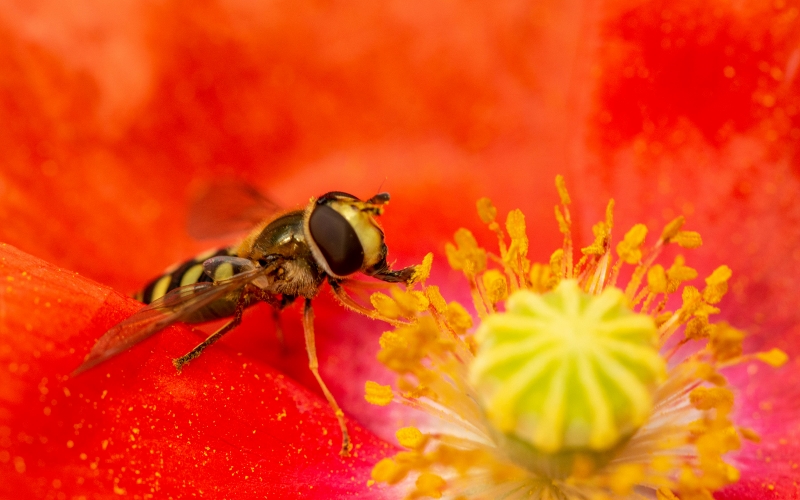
185	273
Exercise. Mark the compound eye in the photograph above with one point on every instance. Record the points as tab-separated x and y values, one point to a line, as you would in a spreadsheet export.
336	240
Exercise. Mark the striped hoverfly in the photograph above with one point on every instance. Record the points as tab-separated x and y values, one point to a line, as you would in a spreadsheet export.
282	259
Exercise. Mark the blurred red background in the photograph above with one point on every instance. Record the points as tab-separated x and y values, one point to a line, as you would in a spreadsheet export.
113	115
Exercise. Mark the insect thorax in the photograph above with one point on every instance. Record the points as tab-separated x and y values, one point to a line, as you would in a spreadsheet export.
298	274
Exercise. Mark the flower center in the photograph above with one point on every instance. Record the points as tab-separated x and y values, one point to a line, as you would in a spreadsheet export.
567	370
565	393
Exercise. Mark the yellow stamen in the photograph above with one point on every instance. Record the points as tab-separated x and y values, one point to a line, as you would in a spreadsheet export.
458	317
411	437
561	187
486	211
377	394
688	239
423	270
774	357
388	471
565	394
705	398
629	249
717	285
515	258
750	434
429	485
726	342
435	298
466	255
671	230
496	286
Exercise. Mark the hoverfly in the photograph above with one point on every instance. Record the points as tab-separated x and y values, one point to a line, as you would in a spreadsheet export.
282	259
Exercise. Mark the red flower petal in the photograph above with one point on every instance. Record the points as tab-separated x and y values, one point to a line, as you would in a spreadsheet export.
112	112
228	426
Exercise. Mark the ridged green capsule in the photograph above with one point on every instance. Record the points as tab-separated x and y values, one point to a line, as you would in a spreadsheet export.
567	371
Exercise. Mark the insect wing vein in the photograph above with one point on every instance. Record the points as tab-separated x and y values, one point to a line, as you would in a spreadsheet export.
228	208
173	307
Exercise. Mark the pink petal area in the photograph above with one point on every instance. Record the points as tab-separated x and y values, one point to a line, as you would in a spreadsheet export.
768	401
228	426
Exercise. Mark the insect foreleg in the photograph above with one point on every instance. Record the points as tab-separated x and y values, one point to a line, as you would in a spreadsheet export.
276	318
348	302
241	303
308	328
277	306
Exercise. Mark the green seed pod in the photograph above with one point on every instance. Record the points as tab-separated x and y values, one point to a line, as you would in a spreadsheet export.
567	371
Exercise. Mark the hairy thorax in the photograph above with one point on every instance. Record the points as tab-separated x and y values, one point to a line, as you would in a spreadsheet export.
298	277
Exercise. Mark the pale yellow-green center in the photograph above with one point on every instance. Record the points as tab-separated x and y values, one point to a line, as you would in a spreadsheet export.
567	370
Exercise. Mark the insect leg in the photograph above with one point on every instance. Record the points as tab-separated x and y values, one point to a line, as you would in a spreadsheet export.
348	302
383	272
276	318
277	307
308	328
230	325
286	300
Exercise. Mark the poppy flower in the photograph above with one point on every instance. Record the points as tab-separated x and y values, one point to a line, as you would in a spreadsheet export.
114	117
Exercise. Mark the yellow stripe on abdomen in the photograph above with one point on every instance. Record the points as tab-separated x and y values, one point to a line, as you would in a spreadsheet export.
161	287
223	271
192	275
185	273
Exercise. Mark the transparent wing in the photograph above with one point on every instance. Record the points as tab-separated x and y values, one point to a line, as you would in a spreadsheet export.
228	208
175	306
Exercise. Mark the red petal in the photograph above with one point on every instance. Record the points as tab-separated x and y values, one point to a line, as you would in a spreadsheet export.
696	115
113	111
227	426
